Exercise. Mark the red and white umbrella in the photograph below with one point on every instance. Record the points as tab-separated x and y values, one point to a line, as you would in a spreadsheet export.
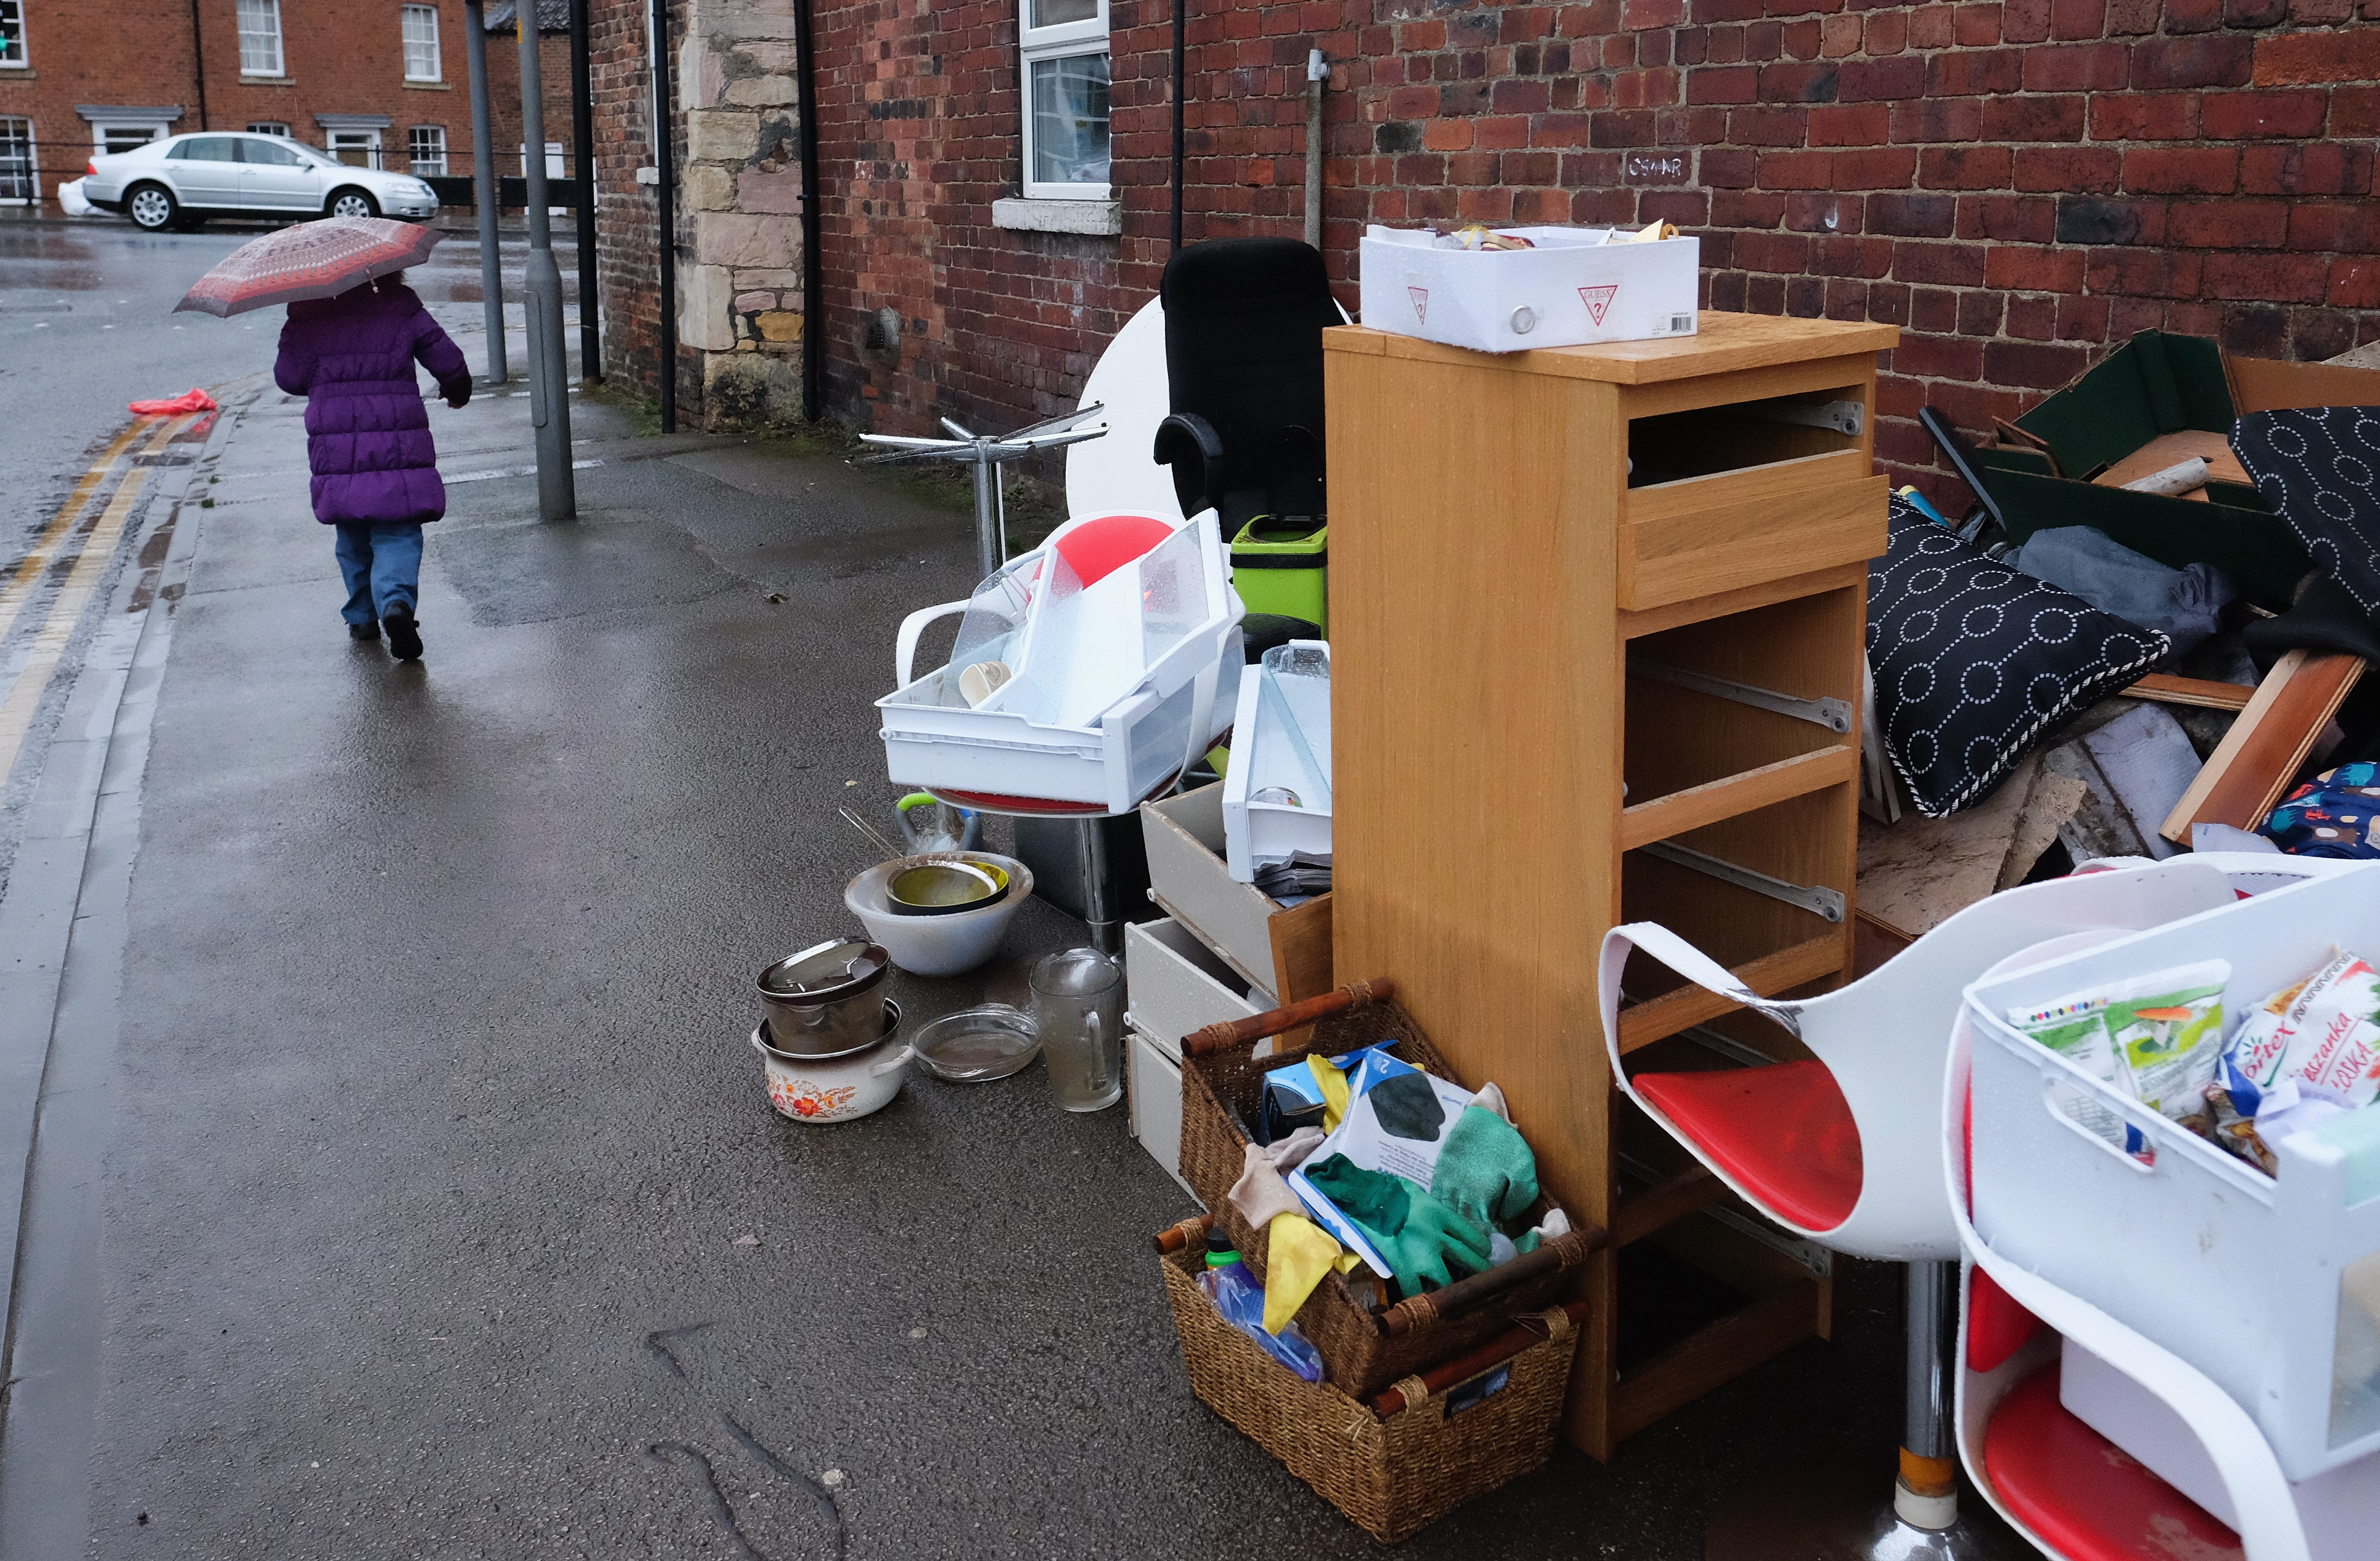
310	259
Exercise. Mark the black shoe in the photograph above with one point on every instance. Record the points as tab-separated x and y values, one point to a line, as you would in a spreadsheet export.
369	630
403	636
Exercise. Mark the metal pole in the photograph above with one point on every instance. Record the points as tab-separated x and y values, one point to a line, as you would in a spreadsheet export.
483	189
1318	70
1099	890
665	215
987	523
199	61
582	120
548	370
1927	1495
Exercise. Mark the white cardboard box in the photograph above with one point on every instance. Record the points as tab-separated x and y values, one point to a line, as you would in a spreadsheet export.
1571	289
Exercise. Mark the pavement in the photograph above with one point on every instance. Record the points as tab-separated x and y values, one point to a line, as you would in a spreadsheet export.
404	1186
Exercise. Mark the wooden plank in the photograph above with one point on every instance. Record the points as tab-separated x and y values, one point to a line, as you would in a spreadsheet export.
2166	688
1725	343
1662	817
1716	1354
1680	1195
2246	775
2172	449
1689	1006
1848	379
1727	604
1677	557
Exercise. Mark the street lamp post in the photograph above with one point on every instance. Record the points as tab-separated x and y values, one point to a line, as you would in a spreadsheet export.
549	372
483	189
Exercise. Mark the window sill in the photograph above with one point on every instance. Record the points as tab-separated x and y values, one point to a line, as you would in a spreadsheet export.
429	86
266	81
1099	219
17	73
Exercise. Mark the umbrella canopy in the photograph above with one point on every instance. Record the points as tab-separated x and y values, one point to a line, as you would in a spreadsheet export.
309	259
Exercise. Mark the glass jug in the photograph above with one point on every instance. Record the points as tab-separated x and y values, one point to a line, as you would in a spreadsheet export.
1078	1006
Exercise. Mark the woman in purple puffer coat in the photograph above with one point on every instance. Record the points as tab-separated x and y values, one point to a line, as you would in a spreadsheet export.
367	441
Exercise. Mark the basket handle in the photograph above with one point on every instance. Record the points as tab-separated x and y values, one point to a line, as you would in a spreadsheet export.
1524	1331
1256	1027
1173	1238
1566	1251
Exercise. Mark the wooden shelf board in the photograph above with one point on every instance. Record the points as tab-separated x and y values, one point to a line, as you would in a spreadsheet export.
1661	818
1718	1353
1689	1006
1724	344
1690	1190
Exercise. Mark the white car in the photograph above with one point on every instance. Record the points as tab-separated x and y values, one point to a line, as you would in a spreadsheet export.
185	180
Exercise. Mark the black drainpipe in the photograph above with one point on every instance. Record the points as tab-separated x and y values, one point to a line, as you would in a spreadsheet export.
582	115
1180	46
813	268
665	198
199	61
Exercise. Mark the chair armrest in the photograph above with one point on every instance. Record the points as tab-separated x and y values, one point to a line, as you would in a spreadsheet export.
1188	443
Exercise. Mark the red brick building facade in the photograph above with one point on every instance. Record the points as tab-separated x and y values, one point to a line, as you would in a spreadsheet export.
2017	184
385	81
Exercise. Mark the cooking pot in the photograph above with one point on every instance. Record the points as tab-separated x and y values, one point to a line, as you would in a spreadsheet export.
827	999
839	1088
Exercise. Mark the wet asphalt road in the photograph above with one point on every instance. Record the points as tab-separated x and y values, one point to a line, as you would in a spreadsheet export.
435	1209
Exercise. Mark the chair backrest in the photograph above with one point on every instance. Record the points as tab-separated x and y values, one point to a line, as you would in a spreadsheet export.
1244	322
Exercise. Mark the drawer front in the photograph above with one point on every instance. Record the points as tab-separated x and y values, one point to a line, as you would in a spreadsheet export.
1176	985
1189	880
1693	539
1153	1081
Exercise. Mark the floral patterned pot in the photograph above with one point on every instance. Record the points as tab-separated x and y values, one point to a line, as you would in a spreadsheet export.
838	1088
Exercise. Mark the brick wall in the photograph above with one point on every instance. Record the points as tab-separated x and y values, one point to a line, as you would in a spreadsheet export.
626	253
2018	185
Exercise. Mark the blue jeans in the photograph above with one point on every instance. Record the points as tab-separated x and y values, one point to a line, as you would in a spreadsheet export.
383	566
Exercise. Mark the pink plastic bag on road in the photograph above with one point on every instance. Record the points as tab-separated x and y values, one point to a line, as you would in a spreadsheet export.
188	401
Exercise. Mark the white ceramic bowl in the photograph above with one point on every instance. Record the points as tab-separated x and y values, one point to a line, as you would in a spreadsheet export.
837	1089
936	945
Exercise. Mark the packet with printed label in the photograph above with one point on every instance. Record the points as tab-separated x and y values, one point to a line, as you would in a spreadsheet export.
2158	1038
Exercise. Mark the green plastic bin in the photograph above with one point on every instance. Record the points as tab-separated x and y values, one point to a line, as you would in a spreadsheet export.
1282	565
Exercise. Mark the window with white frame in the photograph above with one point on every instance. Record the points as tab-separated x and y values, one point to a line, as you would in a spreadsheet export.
356	148
268	127
421	44
18	185
426	146
12	33
259	37
1064	49
115	137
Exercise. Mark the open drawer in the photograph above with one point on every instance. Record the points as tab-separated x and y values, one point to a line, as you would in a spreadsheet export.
1717	494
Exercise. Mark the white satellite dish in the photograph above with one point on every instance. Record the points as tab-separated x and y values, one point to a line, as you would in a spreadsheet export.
1117	473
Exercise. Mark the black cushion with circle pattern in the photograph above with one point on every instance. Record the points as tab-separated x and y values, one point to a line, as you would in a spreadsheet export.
1975	660
2319	469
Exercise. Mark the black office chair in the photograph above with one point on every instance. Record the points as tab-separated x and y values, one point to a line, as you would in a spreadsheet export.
1244	321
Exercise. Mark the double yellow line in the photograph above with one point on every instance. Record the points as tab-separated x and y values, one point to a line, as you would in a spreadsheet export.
96	552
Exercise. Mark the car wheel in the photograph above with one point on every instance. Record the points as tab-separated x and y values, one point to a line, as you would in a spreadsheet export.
151	207
351	204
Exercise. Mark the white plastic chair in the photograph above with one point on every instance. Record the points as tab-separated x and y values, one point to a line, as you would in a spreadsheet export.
1843	1149
2211	1450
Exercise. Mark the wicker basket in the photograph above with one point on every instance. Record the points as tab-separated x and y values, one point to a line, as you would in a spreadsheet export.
1392	1476
1222	1084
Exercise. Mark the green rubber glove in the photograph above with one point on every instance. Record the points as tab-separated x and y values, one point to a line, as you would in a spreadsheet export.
1423	1240
1485	1170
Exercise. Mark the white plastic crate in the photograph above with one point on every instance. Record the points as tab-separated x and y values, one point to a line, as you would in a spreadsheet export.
1264	758
2269	1285
1189	688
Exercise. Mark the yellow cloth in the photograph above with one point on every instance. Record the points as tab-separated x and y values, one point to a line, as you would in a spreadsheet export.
1297	1254
1333	1085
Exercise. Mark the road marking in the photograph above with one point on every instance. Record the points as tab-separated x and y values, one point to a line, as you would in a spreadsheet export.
49	647
18	586
511	471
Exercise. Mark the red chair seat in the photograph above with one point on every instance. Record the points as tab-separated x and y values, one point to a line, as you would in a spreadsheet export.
2091	1500
1784	1132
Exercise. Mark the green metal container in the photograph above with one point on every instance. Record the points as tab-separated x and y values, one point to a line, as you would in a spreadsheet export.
1282	565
